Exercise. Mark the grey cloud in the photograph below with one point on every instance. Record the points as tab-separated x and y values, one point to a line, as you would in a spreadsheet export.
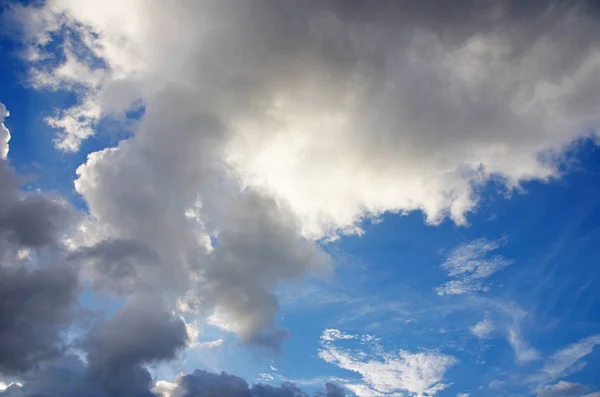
117	265
141	332
29	220
37	306
267	122
205	384
38	302
69	377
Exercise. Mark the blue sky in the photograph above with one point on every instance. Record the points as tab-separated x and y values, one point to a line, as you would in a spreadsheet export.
316	197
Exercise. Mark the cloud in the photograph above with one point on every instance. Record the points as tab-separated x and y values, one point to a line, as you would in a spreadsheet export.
4	132
470	264
268	125
68	376
483	329
205	384
37	306
339	124
566	361
213	344
116	352
38	295
419	374
122	266
563	389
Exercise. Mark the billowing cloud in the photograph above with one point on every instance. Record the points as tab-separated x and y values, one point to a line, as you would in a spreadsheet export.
388	373
38	297
267	125
70	377
338	109
37	307
205	384
470	264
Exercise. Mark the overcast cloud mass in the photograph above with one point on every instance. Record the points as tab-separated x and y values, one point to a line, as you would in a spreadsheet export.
255	133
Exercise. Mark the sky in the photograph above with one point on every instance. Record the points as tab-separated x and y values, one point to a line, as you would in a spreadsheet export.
292	198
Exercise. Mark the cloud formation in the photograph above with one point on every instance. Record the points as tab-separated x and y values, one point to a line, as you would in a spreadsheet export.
387	373
267	125
340	109
205	384
38	297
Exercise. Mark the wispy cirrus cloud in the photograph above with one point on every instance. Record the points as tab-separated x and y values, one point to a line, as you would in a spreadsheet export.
566	361
470	264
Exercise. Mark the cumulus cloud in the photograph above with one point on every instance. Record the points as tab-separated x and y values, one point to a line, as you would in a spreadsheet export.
270	124
388	373
38	296
205	384
37	306
470	264
343	110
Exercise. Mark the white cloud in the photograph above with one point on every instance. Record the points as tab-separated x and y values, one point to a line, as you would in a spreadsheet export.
164	388
361	116
332	334
495	384
483	329
566	361
213	344
470	264
523	352
563	389
389	373
4	132
463	394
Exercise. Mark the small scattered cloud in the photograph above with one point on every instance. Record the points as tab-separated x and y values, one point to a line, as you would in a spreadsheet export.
470	264
483	329
495	384
563	389
213	344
